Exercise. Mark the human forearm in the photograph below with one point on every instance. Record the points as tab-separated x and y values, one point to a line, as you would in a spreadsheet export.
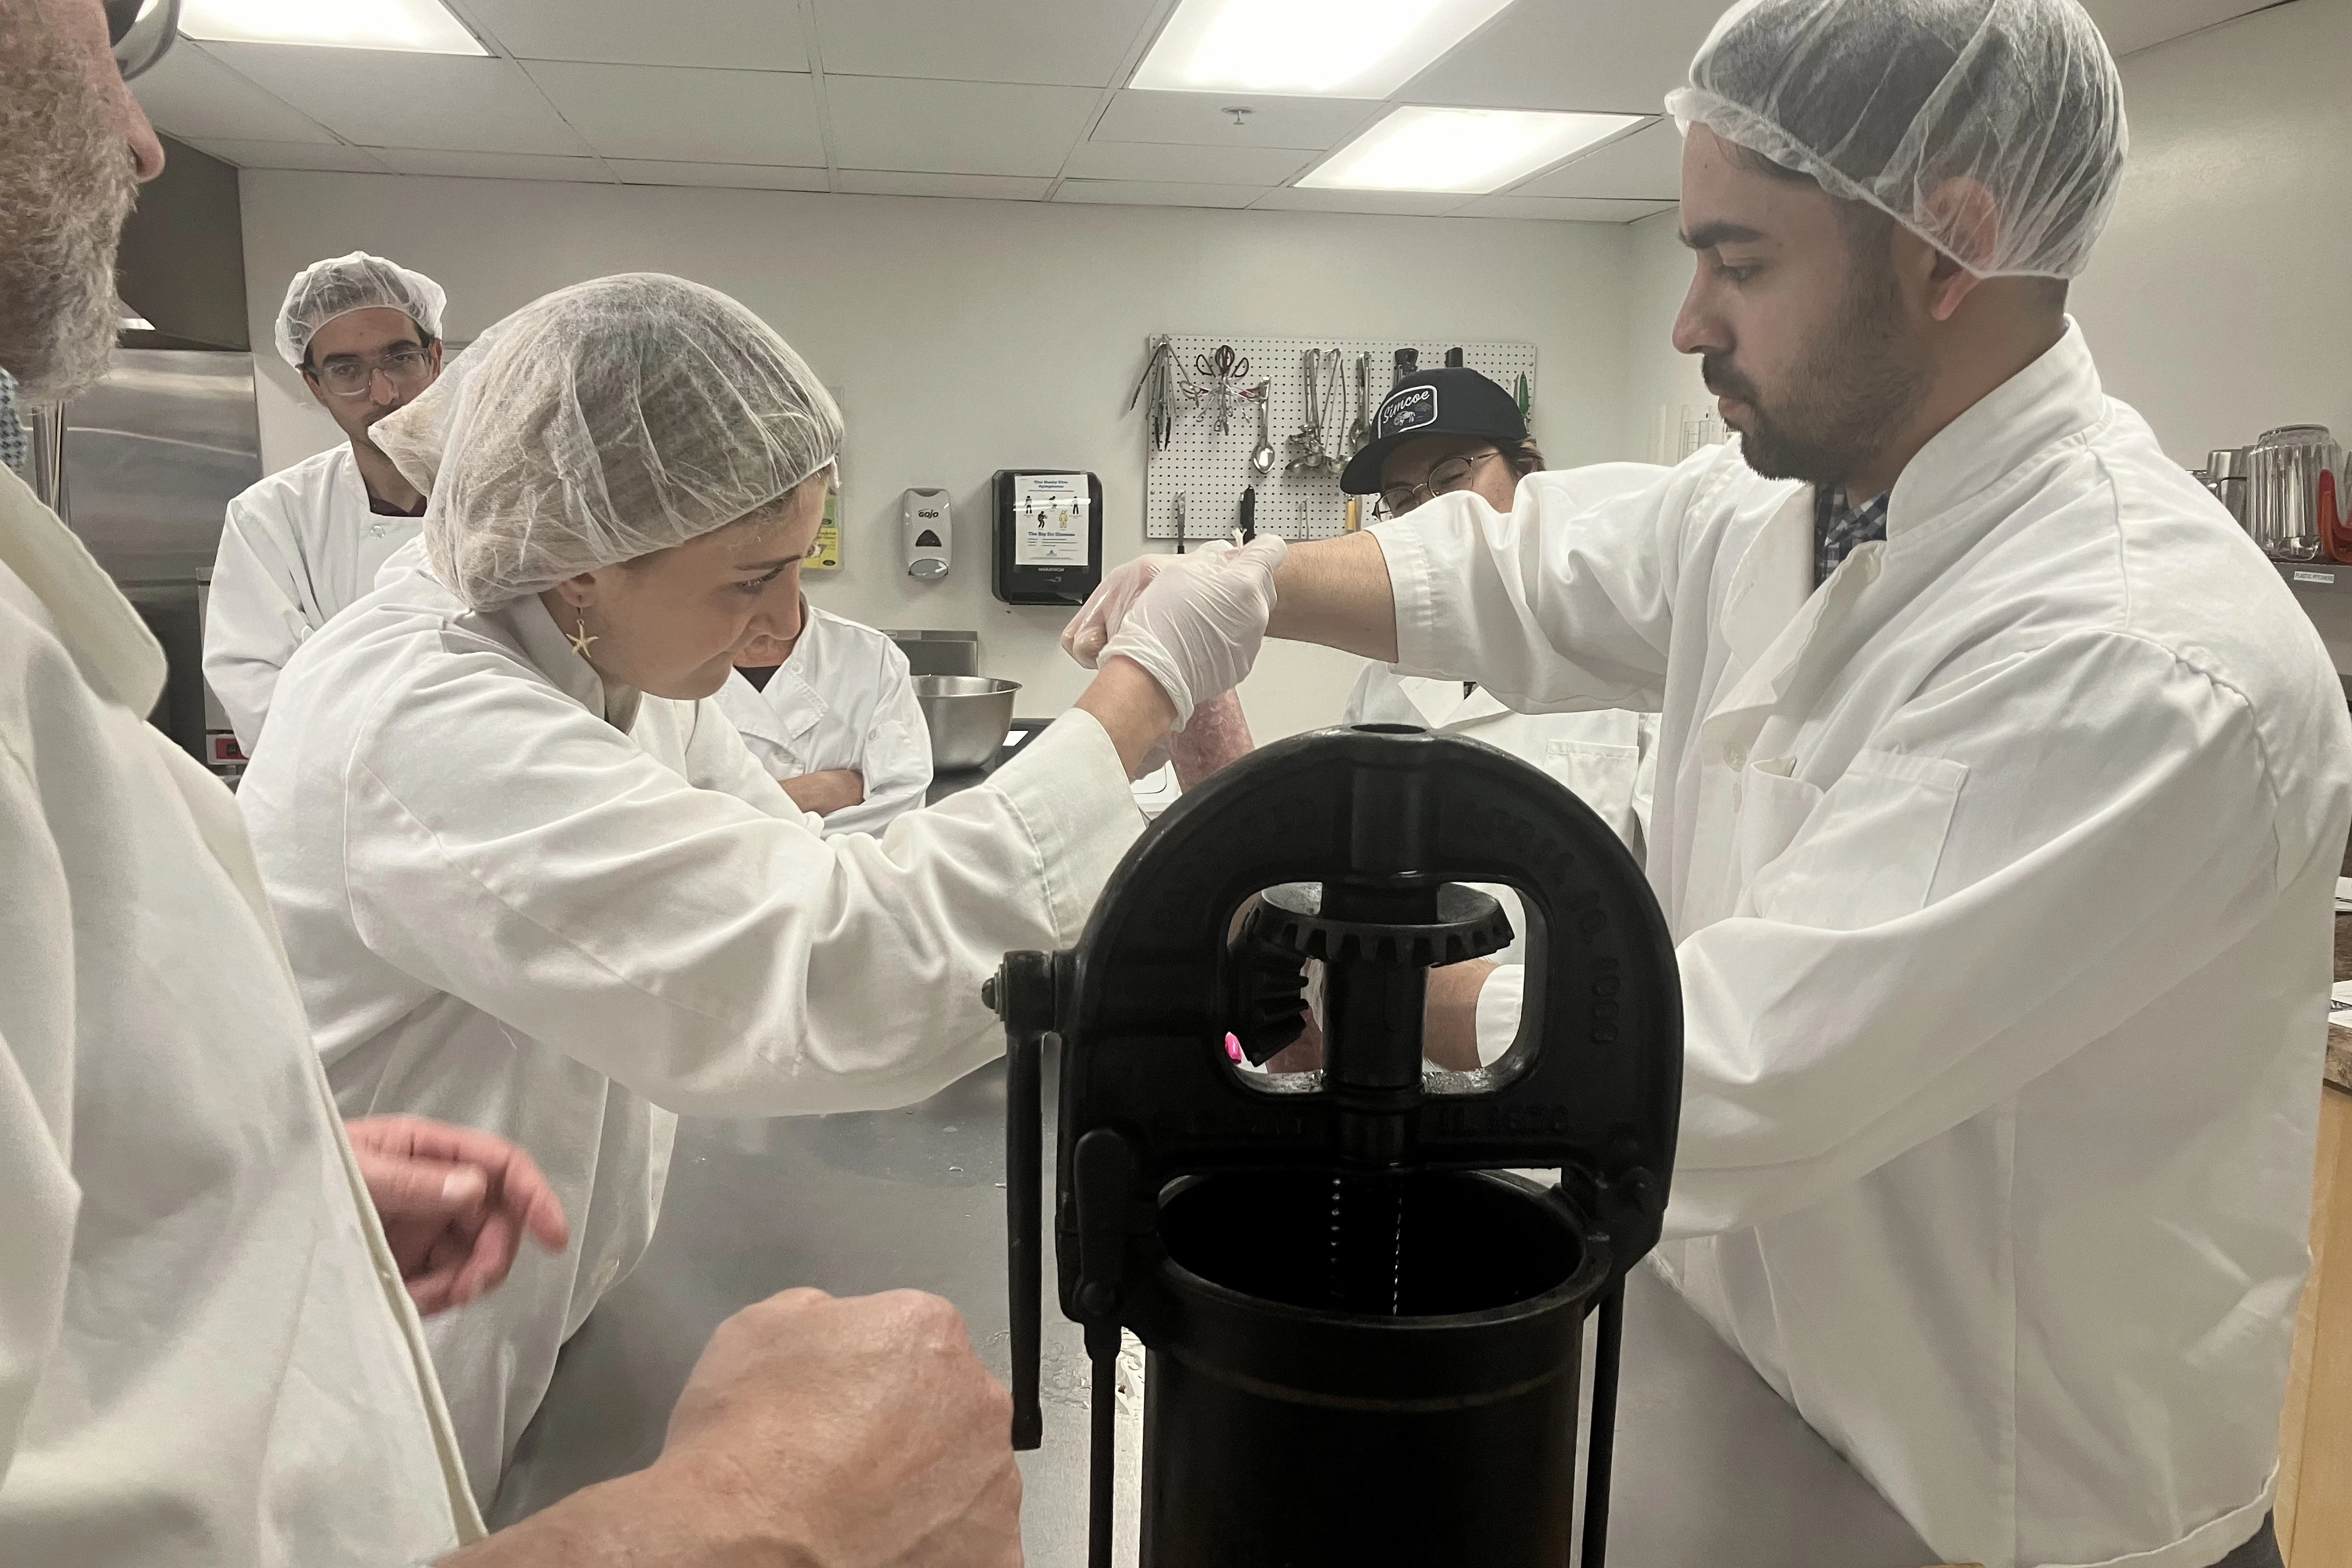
1336	592
1449	1029
630	1522
1218	736
1130	707
835	789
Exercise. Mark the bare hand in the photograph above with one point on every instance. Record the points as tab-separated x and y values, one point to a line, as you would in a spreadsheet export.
864	1432
456	1204
814	1433
835	789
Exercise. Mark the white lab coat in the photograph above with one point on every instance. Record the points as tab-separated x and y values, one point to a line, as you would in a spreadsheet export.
296	548
2000	872
207	1359
1608	758
506	911
844	699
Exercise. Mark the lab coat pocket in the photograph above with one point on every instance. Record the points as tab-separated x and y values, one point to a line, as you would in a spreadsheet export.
1772	810
1602	775
1869	854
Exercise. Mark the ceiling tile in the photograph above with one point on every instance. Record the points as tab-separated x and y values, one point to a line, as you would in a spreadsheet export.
1173	161
895	182
1157	193
381	99
1648	163
1199	118
1076	42
191	94
733	176
1572	209
696	116
955	127
2132	25
1405	204
1573	54
743	34
333	156
492	166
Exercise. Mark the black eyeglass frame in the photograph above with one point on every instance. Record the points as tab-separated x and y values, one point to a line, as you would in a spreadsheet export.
141	32
1384	506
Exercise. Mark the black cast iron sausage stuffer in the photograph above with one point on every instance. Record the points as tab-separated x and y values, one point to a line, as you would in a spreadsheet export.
1364	1337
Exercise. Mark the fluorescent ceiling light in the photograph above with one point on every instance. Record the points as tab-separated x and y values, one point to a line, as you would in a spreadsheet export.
1336	48
1469	151
417	27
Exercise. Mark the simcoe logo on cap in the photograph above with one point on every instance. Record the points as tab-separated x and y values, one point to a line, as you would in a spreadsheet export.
1413	408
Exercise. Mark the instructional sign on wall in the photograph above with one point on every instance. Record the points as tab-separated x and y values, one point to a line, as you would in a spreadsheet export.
1050	519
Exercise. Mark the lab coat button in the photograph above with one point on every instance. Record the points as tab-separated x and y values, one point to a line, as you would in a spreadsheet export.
1734	759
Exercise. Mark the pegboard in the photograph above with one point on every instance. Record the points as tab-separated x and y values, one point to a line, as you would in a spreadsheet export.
1211	470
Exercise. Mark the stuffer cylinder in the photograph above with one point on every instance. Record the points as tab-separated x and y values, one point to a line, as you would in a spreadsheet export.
1364	1335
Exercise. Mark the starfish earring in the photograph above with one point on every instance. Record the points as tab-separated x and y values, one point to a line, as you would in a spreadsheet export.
580	638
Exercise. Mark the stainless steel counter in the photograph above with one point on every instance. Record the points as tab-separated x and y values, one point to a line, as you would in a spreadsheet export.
1712	1466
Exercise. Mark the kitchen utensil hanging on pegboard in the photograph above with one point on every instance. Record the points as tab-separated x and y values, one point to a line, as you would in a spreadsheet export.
1202	424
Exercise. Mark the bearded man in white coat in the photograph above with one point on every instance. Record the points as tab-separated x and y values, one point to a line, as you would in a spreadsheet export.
365	333
2000	795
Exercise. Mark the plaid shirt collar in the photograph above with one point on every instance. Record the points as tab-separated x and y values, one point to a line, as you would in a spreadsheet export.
1838	528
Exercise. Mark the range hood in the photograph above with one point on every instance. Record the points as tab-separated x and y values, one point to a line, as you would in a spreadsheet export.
183	259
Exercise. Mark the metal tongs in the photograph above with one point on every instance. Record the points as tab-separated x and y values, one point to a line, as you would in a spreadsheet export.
1327	404
1160	375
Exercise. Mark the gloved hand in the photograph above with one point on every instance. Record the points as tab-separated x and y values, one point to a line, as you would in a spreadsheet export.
1196	624
1106	607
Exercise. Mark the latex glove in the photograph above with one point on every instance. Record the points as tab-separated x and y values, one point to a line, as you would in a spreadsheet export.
1197	626
456	1205
1106	608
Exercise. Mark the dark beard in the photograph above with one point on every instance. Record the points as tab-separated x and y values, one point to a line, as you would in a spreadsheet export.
66	185
1850	396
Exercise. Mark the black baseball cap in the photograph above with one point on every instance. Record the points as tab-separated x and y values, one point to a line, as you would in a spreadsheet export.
1448	401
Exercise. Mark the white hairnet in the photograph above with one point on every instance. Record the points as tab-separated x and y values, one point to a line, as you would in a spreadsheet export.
600	423
341	284
1887	101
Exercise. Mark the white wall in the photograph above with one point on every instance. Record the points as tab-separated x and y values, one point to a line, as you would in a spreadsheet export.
2219	300
967	336
1656	376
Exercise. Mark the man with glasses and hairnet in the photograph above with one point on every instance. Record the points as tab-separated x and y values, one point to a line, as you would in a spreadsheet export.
2000	795
366	334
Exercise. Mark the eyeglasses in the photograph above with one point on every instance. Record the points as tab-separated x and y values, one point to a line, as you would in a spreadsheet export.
141	32
1449	475
406	368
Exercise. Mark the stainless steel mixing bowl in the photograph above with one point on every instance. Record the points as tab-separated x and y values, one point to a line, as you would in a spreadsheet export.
968	715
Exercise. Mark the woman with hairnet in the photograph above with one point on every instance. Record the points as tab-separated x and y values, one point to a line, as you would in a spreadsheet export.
365	335
529	877
2002	790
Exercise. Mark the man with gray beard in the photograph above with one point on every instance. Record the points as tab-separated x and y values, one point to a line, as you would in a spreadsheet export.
207	1356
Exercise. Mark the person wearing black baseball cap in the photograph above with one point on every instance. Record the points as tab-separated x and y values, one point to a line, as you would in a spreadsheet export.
1446	429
